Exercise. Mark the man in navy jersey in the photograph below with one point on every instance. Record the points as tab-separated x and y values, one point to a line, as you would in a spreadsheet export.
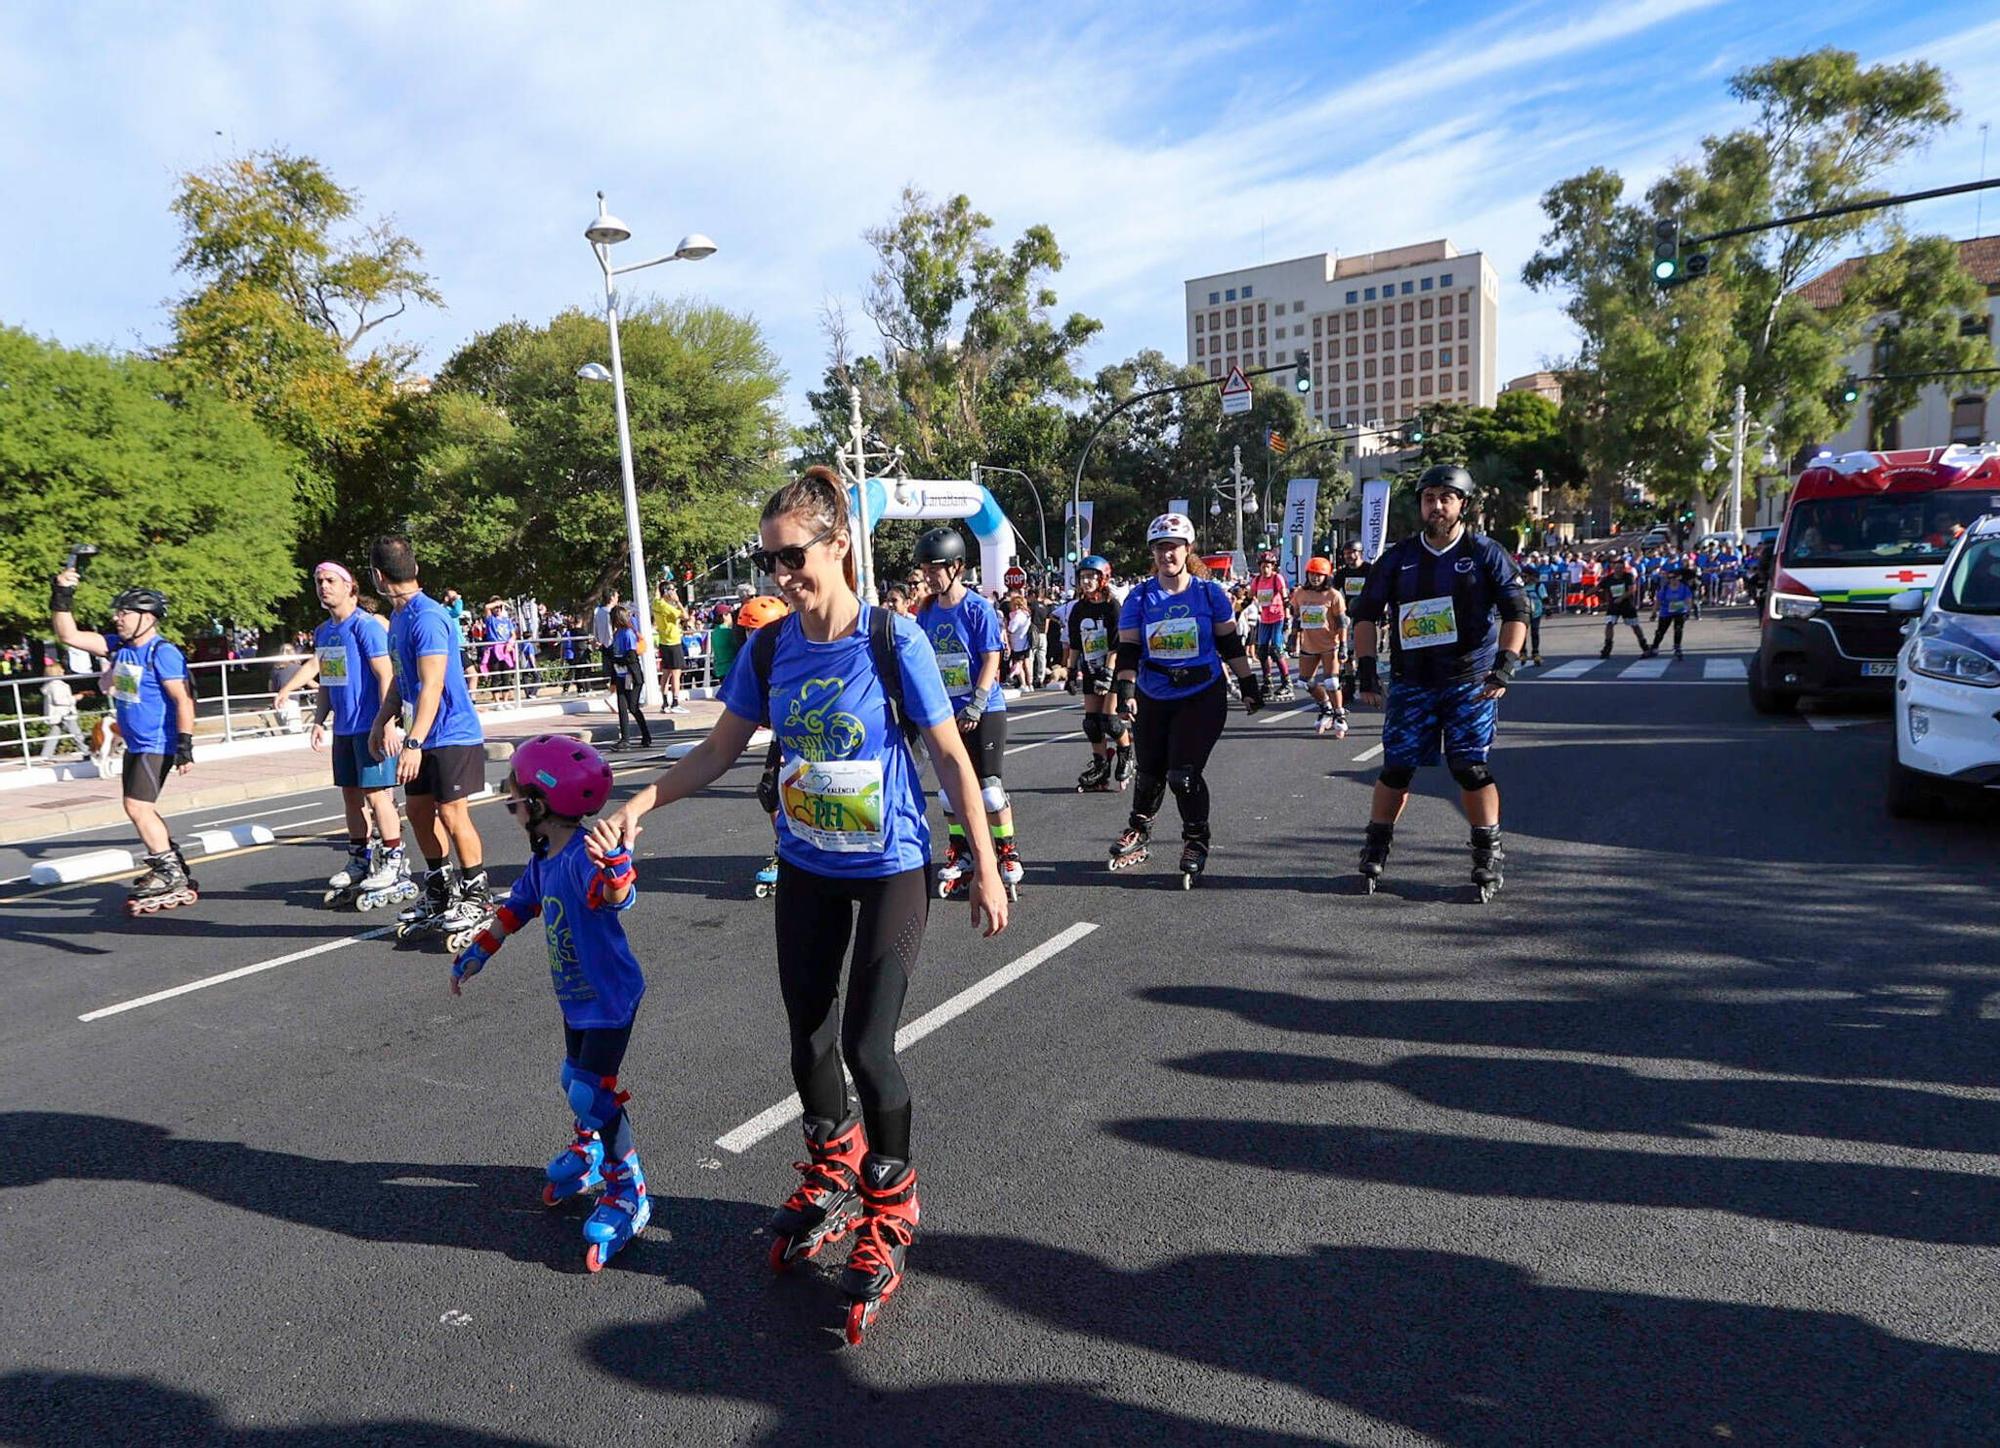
1457	616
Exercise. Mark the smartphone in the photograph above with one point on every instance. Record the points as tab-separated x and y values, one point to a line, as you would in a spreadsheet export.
80	555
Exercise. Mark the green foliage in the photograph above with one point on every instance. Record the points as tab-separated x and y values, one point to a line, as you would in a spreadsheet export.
1504	447
178	485
1657	371
508	472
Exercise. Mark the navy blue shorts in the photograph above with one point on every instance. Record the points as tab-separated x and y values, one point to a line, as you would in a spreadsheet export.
1416	721
355	768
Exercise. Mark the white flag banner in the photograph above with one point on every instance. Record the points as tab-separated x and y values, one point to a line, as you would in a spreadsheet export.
1301	511
1374	518
1082	516
1180	505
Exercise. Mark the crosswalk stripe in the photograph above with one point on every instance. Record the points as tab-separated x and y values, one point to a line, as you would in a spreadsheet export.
1574	669
1644	669
1724	669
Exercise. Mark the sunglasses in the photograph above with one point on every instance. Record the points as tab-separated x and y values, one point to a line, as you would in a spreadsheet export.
793	558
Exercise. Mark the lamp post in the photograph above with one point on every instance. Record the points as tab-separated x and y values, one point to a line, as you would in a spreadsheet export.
1241	495
1736	441
603	233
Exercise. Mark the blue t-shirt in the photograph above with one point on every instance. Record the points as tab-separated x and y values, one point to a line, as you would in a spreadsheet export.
136	696
421	629
625	641
850	801
961	635
596	977
1442	609
344	648
1176	631
1538	594
1674	596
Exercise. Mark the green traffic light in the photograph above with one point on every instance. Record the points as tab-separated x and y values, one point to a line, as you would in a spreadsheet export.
1304	383
1665	268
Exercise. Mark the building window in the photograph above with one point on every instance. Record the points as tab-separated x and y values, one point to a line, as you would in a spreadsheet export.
1444	356
1426	285
1424	386
1461	383
1424	361
1370	294
1353	370
1464	303
1405	389
1445	280
1409	336
1352	298
1968	420
1230	316
1351	347
1230	294
1409	365
1316	347
1368	318
1214	298
1368	367
1368	342
1262	340
1353	396
1423	336
1298	306
1316	326
1406	289
1409	311
1368	393
1214	321
1198	343
1198	322
1214	367
1260	306
1247	294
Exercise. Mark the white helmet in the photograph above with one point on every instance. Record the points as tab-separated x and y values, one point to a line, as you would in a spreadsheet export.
1170	528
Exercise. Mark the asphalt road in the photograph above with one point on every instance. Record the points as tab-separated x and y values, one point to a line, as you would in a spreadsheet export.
1691	1135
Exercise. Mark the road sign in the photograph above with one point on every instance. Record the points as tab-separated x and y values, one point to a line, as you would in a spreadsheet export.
1016	576
1235	393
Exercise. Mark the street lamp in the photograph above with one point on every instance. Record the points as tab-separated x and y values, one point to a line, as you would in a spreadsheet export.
1735	441
603	233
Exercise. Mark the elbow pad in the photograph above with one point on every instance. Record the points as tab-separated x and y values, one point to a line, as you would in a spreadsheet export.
1229	646
1514	605
1129	654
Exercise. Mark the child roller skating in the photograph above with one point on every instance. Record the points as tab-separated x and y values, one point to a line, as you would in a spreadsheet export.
823	1207
752	616
1093	629
578	881
889	1214
167	884
1322	617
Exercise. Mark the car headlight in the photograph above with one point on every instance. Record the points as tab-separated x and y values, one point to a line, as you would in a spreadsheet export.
1942	660
1793	605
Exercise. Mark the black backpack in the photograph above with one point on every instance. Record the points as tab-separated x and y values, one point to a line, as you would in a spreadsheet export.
888	668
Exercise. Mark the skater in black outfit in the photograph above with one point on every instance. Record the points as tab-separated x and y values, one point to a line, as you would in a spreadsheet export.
1093	627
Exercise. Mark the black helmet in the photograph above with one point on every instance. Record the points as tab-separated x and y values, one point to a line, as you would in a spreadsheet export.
142	600
1446	475
941	545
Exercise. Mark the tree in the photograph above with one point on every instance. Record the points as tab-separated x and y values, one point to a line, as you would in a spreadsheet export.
510	466
1656	371
290	291
178	485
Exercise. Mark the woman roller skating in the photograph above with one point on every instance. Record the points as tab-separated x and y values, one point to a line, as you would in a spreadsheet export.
1093	624
843	686
579	881
1175	633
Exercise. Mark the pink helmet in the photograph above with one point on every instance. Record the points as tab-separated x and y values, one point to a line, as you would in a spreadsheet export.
567	775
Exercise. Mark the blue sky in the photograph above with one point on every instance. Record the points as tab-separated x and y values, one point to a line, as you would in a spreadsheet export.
1159	141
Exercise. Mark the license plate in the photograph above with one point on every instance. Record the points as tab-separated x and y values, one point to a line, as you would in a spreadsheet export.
1886	669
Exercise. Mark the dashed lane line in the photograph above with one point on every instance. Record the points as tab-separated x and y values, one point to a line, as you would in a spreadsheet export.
767	1121
237	974
255	815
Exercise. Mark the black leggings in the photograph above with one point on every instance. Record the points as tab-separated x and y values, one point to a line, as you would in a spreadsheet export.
628	701
1173	739
815	919
600	1050
1677	621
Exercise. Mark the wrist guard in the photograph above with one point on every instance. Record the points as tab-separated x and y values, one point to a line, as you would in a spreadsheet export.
969	716
1252	685
1125	690
614	872
1502	672
183	750
62	598
1367	675
473	958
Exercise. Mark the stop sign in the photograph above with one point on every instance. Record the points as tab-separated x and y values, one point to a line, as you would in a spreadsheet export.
1015	577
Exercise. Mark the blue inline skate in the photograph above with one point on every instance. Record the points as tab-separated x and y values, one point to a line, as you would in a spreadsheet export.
622	1212
577	1168
767	879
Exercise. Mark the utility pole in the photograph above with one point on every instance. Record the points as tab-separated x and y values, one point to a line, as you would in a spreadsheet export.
1236	495
856	468
1740	424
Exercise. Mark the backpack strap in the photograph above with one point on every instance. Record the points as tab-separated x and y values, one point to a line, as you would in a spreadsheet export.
763	652
889	668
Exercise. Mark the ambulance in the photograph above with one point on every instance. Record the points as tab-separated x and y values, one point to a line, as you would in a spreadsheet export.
1859	530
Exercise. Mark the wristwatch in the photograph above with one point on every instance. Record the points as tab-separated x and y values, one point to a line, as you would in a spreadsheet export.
409	743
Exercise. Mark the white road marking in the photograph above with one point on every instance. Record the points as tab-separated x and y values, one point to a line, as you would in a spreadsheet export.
260	814
1575	668
1052	739
1367	754
1724	669
765	1122
1644	669
1826	724
1270	714
237	974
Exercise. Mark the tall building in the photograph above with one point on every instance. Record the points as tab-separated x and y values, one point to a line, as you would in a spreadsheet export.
1387	331
1968	414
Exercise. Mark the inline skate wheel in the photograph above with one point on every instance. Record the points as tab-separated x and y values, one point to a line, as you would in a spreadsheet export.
1368	884
331	897
1013	891
593	1257
763	892
1188	878
859	1316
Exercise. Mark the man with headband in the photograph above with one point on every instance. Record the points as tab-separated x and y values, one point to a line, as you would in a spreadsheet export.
351	663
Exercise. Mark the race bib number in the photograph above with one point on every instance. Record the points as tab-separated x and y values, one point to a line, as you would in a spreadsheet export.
1312	615
125	677
957	671
1428	623
333	666
1173	640
834	805
1354	586
1096	642
1617	591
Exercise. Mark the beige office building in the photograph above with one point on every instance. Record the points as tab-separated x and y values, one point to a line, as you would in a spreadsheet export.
1388	332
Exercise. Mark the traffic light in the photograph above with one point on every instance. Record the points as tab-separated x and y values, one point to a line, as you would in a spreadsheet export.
1688	516
1666	251
1416	430
1303	381
1850	388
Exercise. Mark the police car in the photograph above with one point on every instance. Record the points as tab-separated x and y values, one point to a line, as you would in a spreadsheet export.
1947	710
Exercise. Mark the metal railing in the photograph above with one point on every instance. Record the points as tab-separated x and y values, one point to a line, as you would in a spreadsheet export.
236	698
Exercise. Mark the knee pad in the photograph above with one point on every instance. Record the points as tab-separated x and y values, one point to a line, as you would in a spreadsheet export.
1398	776
1184	782
992	794
1093	728
1117	729
1472	776
593	1100
1148	791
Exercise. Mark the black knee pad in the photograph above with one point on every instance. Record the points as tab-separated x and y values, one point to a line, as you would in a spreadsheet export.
1147	792
1117	728
1184	782
1093	728
1398	776
1472	776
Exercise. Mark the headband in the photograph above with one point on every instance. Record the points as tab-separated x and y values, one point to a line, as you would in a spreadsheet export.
338	570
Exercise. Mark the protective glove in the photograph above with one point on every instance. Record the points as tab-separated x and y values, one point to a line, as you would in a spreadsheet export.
473	958
969	716
1502	672
183	751
1252	686
1367	675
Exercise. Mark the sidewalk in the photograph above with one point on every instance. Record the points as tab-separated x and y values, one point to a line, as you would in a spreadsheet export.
36	811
